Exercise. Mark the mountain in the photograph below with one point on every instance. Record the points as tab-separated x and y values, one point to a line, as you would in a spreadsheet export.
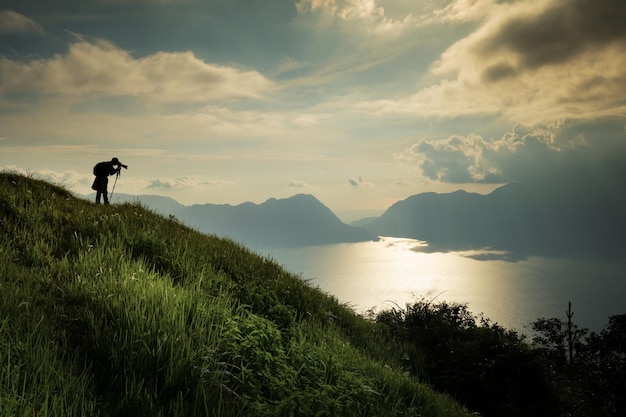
301	220
543	219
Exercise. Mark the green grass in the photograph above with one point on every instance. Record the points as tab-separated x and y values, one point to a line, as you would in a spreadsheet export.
117	311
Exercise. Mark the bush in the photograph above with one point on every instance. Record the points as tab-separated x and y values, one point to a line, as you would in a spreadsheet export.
484	366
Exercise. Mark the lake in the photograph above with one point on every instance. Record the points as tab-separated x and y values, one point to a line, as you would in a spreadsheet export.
396	271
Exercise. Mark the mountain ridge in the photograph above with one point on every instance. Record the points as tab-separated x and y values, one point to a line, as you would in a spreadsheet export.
296	221
521	219
518	219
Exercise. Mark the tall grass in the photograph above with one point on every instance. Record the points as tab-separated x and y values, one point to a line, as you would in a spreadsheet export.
117	311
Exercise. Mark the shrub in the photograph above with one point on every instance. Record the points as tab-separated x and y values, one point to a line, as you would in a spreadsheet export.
484	366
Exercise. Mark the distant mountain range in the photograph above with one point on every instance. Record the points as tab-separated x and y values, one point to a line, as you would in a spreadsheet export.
542	219
515	220
298	221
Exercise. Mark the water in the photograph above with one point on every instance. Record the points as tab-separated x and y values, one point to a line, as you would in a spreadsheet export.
393	271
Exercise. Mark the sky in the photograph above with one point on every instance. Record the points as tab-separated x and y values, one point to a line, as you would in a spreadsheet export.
360	103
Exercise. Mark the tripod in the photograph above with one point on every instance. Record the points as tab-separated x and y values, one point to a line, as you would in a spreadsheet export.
114	184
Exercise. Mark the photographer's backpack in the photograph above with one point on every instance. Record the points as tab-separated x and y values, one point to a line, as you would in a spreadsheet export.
100	169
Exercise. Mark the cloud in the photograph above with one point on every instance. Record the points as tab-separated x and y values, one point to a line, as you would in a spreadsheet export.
346	9
384	17
306	120
13	22
473	159
287	66
529	62
533	155
298	184
459	11
557	33
366	13
359	182
160	185
101	68
458	159
170	184
67	179
185	182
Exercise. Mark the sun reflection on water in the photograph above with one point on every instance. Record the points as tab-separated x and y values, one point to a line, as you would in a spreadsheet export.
395	271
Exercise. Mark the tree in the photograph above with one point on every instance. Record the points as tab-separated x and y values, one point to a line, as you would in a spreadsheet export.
561	341
588	368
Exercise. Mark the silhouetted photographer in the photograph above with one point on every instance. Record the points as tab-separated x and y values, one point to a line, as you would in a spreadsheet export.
102	171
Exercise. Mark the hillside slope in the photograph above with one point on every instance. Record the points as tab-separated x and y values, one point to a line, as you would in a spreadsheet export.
117	311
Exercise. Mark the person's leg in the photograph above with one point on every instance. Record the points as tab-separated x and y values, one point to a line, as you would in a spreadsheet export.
101	189
105	191
98	184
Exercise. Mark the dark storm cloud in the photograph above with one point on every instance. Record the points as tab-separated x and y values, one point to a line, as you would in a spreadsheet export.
559	33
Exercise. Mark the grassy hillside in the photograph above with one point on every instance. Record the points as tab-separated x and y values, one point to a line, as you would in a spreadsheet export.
117	311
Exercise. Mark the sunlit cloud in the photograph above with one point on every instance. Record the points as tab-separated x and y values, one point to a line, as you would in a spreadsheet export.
13	22
101	68
297	184
366	12
396	16
517	156
528	63
459	11
458	159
